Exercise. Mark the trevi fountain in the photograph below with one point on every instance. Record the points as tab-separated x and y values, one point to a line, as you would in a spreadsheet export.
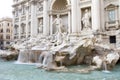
56	57
68	53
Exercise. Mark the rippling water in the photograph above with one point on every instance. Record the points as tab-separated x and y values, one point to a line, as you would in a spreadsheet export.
11	71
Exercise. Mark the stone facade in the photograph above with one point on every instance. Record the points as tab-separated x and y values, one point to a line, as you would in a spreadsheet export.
33	17
5	32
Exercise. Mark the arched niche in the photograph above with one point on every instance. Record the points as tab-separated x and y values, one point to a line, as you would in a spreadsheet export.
23	28
60	7
16	27
53	2
29	27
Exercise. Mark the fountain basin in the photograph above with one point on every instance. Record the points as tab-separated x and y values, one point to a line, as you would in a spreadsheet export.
11	71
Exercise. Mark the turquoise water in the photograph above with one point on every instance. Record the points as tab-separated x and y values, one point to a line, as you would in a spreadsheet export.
11	71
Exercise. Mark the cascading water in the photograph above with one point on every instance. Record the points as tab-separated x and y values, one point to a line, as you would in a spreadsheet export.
46	59
23	56
26	56
105	68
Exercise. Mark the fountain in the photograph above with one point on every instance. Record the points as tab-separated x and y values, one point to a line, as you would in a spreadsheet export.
43	53
54	54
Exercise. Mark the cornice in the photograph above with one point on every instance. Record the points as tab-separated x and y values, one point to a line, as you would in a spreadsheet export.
20	2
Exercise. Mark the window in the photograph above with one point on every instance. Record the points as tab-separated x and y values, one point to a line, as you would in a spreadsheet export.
112	39
7	37
1	30
1	42
8	24
8	42
29	8
1	37
23	30
23	10
8	30
111	15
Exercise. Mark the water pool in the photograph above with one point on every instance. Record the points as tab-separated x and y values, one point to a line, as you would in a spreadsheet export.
11	71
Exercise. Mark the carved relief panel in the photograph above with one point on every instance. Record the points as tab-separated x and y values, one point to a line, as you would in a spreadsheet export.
40	6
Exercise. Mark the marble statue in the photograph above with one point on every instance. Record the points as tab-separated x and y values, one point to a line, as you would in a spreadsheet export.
86	20
98	61
40	28
58	24
112	56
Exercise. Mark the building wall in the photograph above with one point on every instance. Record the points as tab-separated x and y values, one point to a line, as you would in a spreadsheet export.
32	15
5	32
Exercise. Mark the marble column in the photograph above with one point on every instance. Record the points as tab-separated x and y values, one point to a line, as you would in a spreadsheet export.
19	27
78	17
33	18
45	18
74	16
69	22
51	26
27	20
95	14
4	30
102	16
13	28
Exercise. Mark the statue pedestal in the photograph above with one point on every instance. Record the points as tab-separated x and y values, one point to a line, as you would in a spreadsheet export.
86	32
74	37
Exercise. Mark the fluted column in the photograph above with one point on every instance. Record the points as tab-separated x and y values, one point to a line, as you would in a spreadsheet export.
33	18
95	14
74	16
45	18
